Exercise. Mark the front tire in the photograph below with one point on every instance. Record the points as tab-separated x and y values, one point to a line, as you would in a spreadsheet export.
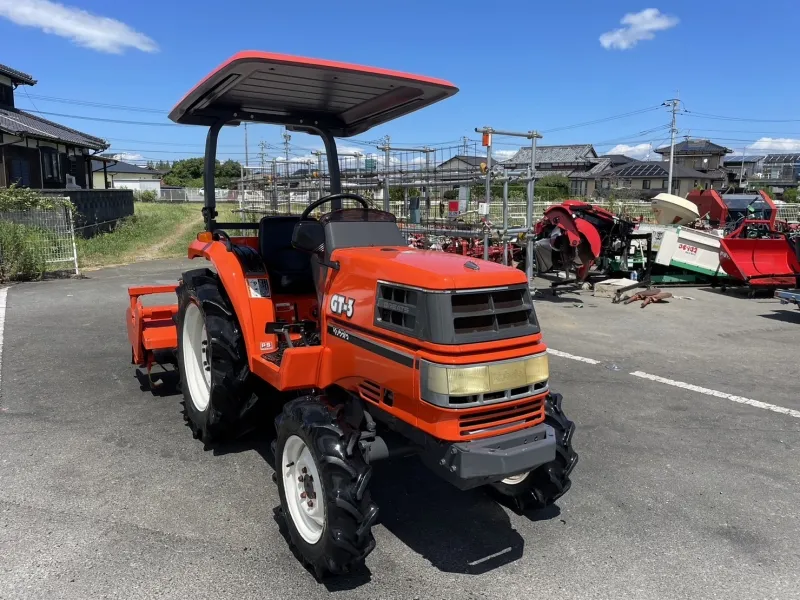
212	360
322	479
544	485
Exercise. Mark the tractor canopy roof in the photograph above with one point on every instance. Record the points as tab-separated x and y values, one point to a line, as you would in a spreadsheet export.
305	93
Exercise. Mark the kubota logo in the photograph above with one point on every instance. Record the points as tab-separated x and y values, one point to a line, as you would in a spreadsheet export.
340	333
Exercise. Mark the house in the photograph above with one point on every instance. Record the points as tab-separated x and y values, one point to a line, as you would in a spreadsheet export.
460	165
743	167
111	173
650	178
38	153
781	171
698	154
572	161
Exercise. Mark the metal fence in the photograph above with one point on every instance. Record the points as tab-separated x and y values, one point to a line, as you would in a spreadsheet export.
789	212
49	234
428	189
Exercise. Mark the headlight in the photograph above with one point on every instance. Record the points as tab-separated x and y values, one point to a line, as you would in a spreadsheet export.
438	382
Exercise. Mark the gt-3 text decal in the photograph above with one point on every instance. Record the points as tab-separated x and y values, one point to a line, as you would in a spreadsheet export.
342	305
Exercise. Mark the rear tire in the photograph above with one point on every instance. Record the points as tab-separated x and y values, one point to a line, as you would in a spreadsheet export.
212	360
335	534
544	485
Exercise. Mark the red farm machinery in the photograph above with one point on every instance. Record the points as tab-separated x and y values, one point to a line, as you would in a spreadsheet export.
757	249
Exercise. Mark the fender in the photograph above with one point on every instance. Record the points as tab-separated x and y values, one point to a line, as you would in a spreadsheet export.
252	313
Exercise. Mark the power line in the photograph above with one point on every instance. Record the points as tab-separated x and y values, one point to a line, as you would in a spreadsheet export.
750	131
603	119
52	114
97	104
740	119
193	145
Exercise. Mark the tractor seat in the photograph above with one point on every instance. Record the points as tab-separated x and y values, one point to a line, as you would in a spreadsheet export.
289	269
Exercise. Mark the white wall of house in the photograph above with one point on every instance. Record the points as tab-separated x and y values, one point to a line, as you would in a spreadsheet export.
140	185
114	178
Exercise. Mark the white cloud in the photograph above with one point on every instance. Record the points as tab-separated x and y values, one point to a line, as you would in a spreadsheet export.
639	26
81	27
640	151
127	156
776	145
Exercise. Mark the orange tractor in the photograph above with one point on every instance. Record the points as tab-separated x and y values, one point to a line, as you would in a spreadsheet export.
365	348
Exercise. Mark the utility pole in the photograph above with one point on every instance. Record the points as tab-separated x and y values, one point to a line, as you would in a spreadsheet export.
387	158
465	142
286	138
319	154
674	103
262	145
741	169
246	151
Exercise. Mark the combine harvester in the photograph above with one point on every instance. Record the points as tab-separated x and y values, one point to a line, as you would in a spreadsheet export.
364	347
756	249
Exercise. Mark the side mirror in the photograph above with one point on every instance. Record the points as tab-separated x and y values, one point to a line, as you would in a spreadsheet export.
309	236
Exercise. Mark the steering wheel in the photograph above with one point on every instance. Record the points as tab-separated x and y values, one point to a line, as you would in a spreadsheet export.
330	198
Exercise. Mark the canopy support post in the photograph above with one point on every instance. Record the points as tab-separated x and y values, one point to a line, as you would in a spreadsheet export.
209	168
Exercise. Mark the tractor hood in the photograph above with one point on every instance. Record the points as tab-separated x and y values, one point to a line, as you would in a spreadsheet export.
427	269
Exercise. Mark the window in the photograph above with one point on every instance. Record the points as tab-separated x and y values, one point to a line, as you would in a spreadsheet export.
6	95
664	184
51	165
645	184
21	171
627	183
695	183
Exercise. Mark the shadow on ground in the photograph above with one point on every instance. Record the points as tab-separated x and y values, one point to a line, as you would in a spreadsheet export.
787	316
464	532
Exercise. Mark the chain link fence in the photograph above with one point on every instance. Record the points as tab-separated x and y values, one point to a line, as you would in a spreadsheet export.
38	240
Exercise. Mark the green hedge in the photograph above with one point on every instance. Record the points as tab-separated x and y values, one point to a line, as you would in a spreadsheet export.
22	255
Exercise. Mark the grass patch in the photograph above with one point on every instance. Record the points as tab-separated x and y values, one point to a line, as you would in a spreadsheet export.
154	231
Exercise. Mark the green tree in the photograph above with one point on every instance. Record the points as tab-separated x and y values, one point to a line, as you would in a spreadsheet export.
189	173
790	195
553	187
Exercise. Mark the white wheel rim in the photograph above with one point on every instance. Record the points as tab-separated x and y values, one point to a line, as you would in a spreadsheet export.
516	479
303	489
196	357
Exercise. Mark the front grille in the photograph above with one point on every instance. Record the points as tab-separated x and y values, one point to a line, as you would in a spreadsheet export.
503	418
397	308
496	397
491	311
369	390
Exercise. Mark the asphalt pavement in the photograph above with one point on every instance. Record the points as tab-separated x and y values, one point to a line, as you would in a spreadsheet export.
682	491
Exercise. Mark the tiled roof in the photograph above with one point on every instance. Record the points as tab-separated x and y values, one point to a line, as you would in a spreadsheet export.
123	167
618	159
17	76
578	153
474	161
656	170
696	147
17	122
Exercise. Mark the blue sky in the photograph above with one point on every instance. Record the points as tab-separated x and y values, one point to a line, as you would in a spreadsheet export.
520	65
